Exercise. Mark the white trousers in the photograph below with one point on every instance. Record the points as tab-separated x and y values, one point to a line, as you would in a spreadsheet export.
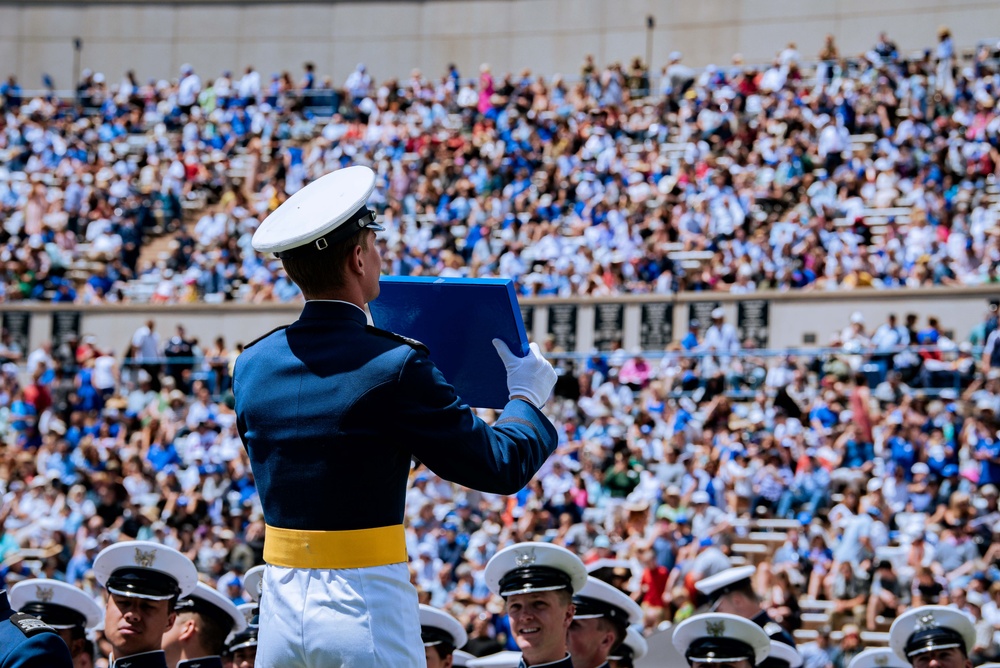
344	618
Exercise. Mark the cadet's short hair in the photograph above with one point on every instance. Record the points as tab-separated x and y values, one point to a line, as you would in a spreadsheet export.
316	273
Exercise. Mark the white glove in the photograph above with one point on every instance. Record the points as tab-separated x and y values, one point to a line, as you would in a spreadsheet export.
531	376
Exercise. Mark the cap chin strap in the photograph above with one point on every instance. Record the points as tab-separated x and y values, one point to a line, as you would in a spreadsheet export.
933	648
132	594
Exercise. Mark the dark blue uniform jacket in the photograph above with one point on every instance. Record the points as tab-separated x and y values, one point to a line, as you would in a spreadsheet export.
331	411
26	642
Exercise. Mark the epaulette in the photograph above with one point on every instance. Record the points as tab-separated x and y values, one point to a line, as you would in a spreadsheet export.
413	343
773	628
28	625
261	338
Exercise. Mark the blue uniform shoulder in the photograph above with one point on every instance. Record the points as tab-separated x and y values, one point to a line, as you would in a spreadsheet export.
261	338
29	626
29	642
399	338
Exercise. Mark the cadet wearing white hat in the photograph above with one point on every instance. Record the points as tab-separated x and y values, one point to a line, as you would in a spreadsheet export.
714	637
731	591
242	648
62	606
441	634
631	650
782	656
253	583
878	657
145	581
600	623
933	633
205	619
537	581
335	408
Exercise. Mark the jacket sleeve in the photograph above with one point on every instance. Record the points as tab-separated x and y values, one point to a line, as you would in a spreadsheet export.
445	434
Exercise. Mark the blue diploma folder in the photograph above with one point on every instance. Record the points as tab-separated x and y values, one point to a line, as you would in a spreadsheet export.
457	319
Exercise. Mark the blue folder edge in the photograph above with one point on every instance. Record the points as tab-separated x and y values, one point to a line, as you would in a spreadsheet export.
457	319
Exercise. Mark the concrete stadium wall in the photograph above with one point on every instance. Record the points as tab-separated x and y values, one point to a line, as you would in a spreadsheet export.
796	320
547	36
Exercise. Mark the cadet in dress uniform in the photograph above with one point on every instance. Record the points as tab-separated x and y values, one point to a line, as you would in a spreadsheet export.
243	648
442	635
600	623
144	582
717	639
331	411
28	642
782	656
933	634
631	650
62	606
205	619
537	581
879	657
731	591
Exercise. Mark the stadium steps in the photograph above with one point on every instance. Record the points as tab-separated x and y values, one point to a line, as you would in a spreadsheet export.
161	246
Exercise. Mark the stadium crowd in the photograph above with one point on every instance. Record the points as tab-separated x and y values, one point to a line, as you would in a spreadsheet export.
857	172
888	489
885	495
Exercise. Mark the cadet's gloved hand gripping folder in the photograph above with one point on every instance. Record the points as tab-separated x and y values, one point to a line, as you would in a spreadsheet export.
457	319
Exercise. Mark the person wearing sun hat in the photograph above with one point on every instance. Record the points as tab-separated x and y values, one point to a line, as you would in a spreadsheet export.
537	582
441	634
65	608
933	634
205	619
144	582
600	623
332	407
714	638
731	591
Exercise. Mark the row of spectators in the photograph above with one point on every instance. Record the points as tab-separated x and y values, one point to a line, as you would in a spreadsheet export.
735	178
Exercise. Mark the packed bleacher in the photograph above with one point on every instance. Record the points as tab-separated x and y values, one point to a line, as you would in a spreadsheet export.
860	480
836	173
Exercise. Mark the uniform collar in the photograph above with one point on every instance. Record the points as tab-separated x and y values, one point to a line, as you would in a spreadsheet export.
565	662
155	659
202	662
324	309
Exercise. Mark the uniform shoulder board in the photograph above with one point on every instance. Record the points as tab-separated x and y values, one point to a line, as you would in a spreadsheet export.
773	628
29	625
261	338
413	343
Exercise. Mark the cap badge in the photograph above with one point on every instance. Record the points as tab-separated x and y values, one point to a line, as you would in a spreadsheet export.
926	621
44	594
715	629
144	559
881	660
525	559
